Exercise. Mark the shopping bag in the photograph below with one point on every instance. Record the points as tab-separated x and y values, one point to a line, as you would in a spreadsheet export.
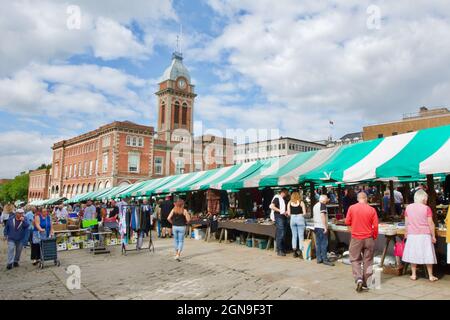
399	247
307	249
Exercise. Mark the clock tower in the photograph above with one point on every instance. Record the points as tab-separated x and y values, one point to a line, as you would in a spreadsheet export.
175	100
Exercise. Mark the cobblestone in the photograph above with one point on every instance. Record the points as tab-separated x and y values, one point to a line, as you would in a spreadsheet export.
207	271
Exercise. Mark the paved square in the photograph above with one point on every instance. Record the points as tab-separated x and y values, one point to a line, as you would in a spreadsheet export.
207	271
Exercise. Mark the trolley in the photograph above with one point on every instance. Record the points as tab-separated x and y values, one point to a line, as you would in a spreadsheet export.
49	252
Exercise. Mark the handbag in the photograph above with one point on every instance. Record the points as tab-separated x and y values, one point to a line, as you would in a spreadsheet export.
399	247
38	236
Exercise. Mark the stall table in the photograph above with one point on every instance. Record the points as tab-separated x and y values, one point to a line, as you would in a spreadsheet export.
252	229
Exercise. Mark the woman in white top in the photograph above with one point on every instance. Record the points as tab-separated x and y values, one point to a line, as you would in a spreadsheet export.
295	210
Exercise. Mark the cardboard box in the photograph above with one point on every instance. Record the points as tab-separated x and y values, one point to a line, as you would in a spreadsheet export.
59	227
62	246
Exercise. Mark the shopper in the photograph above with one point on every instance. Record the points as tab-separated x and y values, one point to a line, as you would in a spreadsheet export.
398	198
295	210
420	235
90	213
166	208
61	213
320	217
158	217
279	215
179	218
363	220
29	216
348	200
43	229
14	232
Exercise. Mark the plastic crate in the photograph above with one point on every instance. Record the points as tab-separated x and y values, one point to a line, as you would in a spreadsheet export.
262	243
249	243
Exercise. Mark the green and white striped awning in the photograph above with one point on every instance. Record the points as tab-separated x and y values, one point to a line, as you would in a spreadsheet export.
412	155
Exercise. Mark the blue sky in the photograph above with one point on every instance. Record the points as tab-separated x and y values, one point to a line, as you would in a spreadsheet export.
285	65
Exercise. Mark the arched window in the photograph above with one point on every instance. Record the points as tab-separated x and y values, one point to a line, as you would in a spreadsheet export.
106	184
100	186
163	113
57	189
88	188
53	189
82	188
93	187
78	189
64	191
176	114
184	114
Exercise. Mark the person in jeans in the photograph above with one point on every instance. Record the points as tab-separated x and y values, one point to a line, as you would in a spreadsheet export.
279	215
363	221
14	232
320	217
179	218
295	210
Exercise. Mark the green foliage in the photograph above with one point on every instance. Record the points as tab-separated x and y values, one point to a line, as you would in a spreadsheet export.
16	189
44	166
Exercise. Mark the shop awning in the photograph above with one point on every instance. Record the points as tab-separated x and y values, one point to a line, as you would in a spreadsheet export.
55	201
148	189
407	155
114	192
94	195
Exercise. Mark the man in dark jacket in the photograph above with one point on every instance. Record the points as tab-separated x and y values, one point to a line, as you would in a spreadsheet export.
14	233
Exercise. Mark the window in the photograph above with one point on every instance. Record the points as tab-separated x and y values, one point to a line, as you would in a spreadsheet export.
141	142
197	166
91	167
184	114
85	168
133	161
105	162
134	142
70	171
158	165
394	133
75	170
380	135
176	114
106	141
179	166
96	166
56	171
80	169
163	112
65	172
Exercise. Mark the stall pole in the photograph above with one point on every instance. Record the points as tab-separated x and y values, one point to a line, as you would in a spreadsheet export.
340	199
312	195
406	189
432	196
391	198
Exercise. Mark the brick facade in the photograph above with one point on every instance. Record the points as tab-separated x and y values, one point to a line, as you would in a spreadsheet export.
38	184
425	118
100	159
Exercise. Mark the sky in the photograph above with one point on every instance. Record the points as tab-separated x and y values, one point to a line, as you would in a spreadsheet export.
67	67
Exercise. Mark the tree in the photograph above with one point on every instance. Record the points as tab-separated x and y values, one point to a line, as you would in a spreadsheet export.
44	166
16	189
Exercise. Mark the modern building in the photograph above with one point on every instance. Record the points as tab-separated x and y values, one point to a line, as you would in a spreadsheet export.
425	118
283	146
123	152
349	138
38	186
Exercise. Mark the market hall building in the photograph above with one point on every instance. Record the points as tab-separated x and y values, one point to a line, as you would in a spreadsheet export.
123	152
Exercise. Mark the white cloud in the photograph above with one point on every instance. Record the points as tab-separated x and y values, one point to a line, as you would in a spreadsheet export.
36	31
317	60
23	151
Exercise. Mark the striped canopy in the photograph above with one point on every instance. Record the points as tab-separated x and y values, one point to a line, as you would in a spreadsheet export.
405	157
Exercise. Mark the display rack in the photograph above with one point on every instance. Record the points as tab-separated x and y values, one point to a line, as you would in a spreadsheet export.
125	249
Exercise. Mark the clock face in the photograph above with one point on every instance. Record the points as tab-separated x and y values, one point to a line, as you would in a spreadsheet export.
182	84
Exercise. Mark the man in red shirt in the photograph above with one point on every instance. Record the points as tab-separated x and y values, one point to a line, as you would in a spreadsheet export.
363	221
